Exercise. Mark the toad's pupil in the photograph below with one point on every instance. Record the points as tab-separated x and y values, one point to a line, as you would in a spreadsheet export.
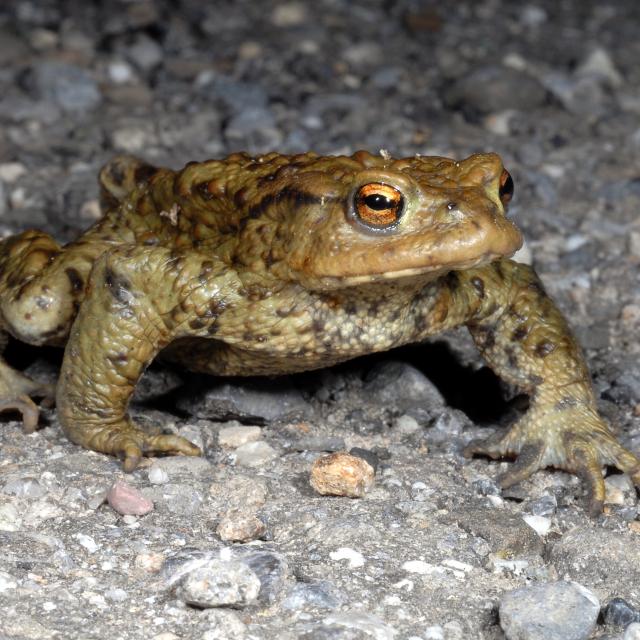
378	202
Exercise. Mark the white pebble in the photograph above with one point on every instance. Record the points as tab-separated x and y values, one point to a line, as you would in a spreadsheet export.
355	558
157	475
539	524
11	171
237	435
87	542
632	632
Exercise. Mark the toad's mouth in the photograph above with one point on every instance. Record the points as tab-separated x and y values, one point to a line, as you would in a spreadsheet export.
425	273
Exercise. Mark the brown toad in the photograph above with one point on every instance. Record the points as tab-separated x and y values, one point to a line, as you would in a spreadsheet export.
279	264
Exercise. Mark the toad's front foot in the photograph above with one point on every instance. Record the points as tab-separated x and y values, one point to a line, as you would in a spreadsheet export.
575	440
130	443
16	391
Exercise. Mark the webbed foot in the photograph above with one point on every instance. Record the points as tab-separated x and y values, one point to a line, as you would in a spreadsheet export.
130	443
576	440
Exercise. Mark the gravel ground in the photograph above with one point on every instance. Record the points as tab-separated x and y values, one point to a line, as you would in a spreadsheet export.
237	544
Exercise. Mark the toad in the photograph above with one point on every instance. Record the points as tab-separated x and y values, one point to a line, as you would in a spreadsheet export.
277	264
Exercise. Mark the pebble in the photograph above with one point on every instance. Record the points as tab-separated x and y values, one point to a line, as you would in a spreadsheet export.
632	632
255	454
10	519
70	87
549	611
7	581
354	558
241	527
495	88
406	424
127	500
145	53
539	524
342	474
620	613
184	498
272	570
357	624
157	475
24	488
402	385
620	490
289	14
237	435
545	505
258	402
319	594
219	583
224	625
11	171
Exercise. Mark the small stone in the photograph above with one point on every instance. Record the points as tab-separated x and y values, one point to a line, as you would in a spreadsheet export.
620	613
258	402
145	53
319	594
237	435
224	625
149	562
7	581
620	490
598	63
406	424
272	571
549	611
539	524
126	500
435	632
157	475
72	88
289	14
545	505
341	474
367	455
241	527
24	488
632	632
116	595
219	583
355	624
11	171
120	72
87	542
354	558
255	454
10	519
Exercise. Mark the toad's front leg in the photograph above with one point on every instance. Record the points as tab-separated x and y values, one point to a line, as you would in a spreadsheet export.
139	300
526	340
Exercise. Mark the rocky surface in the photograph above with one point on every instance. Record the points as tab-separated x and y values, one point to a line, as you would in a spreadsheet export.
434	551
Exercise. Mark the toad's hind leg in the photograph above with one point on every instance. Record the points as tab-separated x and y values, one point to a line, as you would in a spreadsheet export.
41	285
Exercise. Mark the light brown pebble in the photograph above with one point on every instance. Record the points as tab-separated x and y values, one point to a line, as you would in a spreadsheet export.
341	474
127	500
150	562
241	527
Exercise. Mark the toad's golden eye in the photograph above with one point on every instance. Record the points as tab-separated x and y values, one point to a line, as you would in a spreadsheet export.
506	188
378	205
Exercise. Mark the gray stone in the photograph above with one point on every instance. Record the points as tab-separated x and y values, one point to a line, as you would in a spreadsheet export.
70	87
24	488
224	625
317	594
259	402
219	583
495	88
271	569
549	611
254	454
